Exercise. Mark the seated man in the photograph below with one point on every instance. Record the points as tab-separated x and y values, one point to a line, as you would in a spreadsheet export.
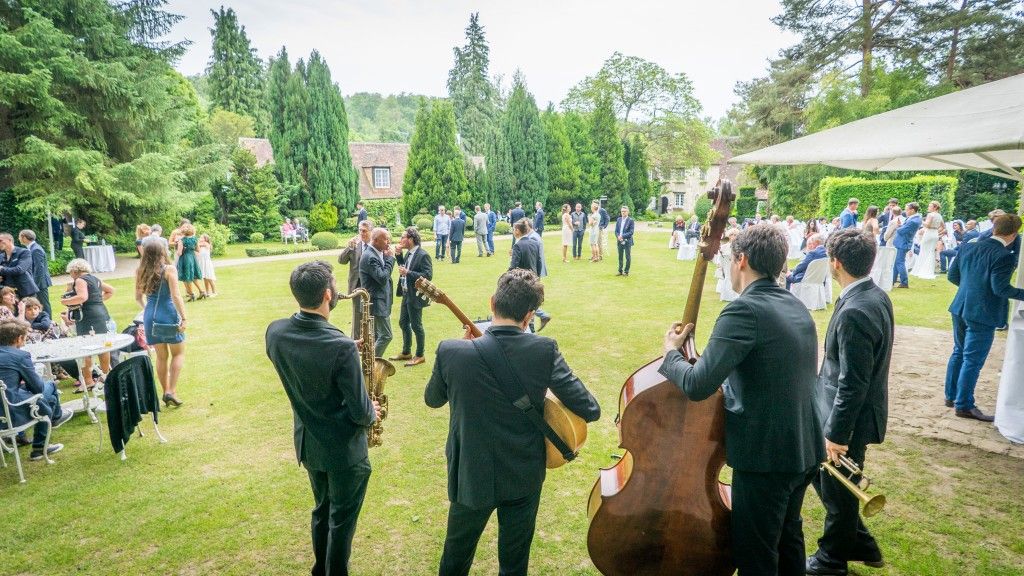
815	250
22	382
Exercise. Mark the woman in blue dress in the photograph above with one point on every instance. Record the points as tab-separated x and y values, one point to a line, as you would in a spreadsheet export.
156	290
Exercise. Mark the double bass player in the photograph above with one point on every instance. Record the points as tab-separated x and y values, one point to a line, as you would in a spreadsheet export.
763	353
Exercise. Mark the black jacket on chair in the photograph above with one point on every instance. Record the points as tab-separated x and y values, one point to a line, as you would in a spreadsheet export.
129	392
854	380
319	368
763	352
375	277
495	453
420	266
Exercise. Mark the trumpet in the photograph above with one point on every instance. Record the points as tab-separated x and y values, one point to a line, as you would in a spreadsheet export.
870	505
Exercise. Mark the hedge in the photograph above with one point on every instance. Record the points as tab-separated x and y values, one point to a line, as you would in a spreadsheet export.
382	212
833	193
257	252
325	240
257	238
745	205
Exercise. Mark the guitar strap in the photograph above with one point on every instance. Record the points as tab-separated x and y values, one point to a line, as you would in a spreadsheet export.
494	357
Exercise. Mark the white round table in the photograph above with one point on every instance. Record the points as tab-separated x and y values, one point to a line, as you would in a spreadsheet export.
78	348
100	257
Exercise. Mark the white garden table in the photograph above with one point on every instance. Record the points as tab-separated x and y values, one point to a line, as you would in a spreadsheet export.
101	258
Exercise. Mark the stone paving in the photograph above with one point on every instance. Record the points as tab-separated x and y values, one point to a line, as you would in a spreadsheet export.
916	397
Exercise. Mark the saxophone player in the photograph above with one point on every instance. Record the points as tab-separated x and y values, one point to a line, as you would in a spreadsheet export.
320	370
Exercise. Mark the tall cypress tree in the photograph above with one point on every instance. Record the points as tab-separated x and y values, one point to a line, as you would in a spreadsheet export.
501	182
235	72
290	157
526	142
639	183
279	70
436	173
329	171
612	167
470	89
577	128
563	167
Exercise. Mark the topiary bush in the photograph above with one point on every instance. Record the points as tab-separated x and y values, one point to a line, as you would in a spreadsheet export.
324	217
325	240
502	227
702	206
220	236
257	237
423	222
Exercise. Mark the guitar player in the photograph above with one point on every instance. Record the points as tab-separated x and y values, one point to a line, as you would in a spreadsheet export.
496	455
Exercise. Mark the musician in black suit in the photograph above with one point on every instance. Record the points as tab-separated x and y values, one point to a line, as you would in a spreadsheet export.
526	250
320	370
414	264
852	397
375	266
763	354
351	254
496	455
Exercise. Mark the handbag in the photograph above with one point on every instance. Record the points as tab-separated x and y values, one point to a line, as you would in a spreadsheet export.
75	313
163	331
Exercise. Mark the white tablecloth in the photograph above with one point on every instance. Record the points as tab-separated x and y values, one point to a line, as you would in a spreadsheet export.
1010	398
61	349
101	258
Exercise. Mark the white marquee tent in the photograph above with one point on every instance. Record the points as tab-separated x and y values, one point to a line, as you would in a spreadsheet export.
980	128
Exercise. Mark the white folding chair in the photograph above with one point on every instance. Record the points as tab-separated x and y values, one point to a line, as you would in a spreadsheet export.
811	290
687	251
9	432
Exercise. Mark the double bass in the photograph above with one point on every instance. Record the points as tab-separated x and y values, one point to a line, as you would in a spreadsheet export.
661	508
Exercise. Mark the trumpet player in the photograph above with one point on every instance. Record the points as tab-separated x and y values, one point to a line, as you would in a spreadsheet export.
852	391
321	373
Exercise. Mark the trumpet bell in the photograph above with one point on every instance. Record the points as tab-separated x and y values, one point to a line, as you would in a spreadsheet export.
873	505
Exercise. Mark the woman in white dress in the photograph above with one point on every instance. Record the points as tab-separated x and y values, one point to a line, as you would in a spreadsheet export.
566	232
885	259
924	266
725	291
204	256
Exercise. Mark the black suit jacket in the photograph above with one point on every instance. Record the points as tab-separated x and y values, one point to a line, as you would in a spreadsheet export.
516	215
420	266
17	272
375	276
763	352
319	368
853	384
457	229
538	221
494	452
526	254
40	268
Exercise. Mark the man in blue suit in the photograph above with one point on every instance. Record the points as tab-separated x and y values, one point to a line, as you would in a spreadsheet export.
16	268
624	234
40	268
1014	249
492	223
982	272
538	218
815	251
904	242
848	217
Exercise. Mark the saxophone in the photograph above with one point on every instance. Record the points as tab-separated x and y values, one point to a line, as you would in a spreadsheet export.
375	370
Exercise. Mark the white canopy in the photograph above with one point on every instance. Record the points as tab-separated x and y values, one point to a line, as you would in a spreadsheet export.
980	128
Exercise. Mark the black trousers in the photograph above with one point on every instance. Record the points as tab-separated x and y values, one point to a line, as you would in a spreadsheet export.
78	249
516	522
625	252
411	322
58	241
845	537
577	243
456	250
767	532
338	495
44	298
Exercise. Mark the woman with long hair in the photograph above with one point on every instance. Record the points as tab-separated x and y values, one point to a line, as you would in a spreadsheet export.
141	233
8	303
156	291
566	232
90	293
871	222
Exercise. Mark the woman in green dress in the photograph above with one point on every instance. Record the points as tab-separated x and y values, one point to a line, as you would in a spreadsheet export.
187	264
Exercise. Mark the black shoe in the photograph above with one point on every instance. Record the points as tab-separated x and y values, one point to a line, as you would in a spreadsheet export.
949	403
37	454
22	441
815	567
975	414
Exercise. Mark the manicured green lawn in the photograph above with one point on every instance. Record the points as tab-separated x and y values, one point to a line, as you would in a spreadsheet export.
225	496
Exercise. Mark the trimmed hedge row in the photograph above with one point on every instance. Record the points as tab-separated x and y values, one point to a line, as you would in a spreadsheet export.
257	252
746	203
833	193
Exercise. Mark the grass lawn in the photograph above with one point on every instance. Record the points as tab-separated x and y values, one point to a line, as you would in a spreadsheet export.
225	495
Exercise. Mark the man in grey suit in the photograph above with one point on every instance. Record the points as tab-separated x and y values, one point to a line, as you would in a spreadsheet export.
375	266
852	391
351	254
480	231
40	268
763	353
495	453
321	374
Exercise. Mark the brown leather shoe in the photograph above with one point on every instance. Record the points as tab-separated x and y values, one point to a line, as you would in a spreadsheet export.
402	356
416	360
975	414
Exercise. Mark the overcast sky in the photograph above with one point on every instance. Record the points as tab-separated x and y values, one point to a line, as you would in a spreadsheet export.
391	46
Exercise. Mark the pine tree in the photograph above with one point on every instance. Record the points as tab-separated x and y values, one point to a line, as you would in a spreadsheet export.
470	89
501	182
329	171
436	173
235	72
577	128
290	157
639	183
528	149
563	168
608	149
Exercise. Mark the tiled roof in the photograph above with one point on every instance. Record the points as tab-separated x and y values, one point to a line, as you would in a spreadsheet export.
260	148
369	155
